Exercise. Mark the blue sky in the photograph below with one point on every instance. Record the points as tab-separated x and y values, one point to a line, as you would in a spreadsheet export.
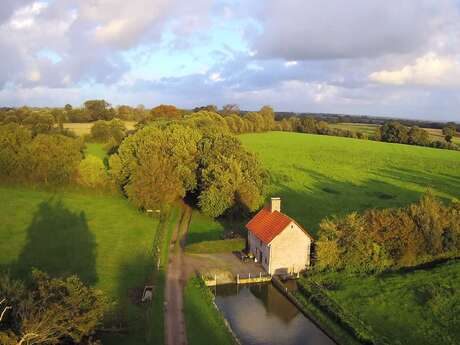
393	58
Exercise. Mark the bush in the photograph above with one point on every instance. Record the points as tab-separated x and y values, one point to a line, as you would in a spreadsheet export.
92	172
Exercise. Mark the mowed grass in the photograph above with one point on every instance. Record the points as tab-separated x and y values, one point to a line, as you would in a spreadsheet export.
421	307
102	239
204	228
322	176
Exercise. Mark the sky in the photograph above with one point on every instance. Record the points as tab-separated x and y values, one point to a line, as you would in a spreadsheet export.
396	58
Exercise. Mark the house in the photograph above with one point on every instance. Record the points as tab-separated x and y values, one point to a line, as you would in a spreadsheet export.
277	241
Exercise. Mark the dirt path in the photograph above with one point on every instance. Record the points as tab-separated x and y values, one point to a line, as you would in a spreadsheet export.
175	329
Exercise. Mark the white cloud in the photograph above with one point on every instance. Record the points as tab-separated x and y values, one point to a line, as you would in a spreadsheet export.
215	77
428	70
290	63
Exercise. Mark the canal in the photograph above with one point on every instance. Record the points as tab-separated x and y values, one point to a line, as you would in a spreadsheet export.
260	315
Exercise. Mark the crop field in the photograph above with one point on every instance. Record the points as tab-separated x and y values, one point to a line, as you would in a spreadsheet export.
322	176
102	239
85	128
365	128
419	307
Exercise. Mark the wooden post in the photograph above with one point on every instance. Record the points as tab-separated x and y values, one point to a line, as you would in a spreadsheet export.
237	278
215	279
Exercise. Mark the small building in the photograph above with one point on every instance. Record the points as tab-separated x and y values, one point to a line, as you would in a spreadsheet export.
277	241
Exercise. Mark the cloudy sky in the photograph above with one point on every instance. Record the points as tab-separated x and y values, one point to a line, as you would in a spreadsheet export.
396	57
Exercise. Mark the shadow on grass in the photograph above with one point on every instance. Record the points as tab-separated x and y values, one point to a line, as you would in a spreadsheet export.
58	242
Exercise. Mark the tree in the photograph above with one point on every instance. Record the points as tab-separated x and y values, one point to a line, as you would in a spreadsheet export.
53	159
449	132
230	109
393	132
228	175
92	172
51	311
14	156
418	136
40	122
104	131
157	164
164	111
99	110
210	107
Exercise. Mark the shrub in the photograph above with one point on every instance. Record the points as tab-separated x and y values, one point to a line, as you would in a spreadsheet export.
92	172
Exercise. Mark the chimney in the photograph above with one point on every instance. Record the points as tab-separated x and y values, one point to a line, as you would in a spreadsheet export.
275	204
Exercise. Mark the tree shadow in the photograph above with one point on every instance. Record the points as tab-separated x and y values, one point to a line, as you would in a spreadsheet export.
60	243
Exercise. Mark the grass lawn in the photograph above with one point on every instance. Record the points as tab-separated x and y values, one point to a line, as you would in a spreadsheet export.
321	176
205	324
204	228
96	149
421	307
103	239
219	246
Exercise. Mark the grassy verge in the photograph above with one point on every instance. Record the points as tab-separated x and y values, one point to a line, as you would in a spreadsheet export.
205	324
221	246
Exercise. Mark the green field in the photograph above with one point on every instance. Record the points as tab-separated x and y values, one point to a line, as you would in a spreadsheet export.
321	176
420	307
103	239
85	128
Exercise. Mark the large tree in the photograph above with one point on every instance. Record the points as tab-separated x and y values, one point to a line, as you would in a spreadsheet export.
449	132
49	311
99	109
156	166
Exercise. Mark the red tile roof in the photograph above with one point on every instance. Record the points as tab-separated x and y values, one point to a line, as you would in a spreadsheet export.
267	225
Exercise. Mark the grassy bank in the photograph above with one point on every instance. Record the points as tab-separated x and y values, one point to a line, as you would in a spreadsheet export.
102	239
204	228
205	324
419	307
320	176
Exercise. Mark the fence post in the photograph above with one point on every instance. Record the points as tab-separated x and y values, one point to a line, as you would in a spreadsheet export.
249	276
215	279
237	278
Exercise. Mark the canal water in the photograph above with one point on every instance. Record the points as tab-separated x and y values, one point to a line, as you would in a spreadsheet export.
260	315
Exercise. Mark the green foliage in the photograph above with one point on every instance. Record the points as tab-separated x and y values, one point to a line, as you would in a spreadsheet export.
14	143
157	164
228	175
161	163
53	159
105	131
391	238
205	324
92	173
393	132
449	132
99	110
51	310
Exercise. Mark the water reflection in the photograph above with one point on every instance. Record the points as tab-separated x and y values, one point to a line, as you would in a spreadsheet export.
260	315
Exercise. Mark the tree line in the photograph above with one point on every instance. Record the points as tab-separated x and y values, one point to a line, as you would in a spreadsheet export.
384	239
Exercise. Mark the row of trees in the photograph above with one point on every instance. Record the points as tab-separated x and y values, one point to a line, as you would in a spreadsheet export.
390	238
395	132
49	311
